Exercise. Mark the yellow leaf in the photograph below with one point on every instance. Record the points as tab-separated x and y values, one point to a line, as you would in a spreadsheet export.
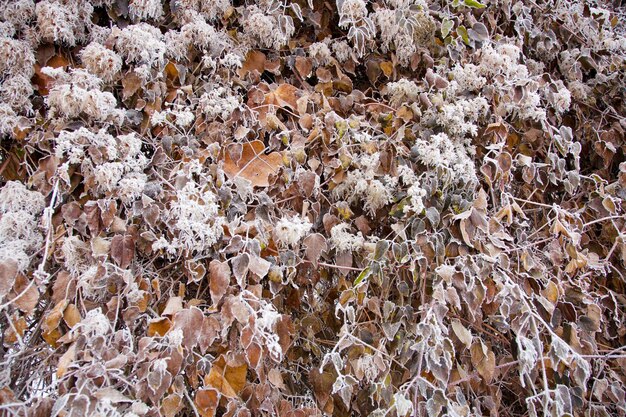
387	68
551	292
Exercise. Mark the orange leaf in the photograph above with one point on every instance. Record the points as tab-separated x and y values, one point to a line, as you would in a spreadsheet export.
17	328
253	165
255	60
287	95
71	315
159	327
207	400
387	68
228	380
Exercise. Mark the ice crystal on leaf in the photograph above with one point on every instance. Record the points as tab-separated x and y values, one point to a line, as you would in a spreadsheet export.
364	207
291	230
265	30
141	43
79	92
219	102
19	227
63	21
366	185
195	219
454	158
344	241
101	61
145	9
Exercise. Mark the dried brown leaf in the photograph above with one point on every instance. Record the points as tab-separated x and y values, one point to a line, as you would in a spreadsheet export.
66	360
123	250
8	274
314	245
219	279
253	165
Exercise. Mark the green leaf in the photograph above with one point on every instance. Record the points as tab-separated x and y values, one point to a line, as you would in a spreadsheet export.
446	27
474	4
400	252
381	249
462	31
362	276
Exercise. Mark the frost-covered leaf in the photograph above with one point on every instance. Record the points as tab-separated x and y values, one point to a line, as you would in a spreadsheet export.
254	165
446	27
219	279
123	250
484	360
464	335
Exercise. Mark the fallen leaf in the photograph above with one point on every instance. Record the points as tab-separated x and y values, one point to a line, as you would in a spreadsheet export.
71	315
66	360
123	250
464	335
207	400
227	380
276	378
484	360
240	265
159	327
304	66
286	95
219	279
25	295
171	405
387	68
255	60
259	266
314	245
16	328
190	322
173	306
8	273
253	165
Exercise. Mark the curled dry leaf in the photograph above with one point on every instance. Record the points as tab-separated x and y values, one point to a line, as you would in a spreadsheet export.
464	335
71	315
